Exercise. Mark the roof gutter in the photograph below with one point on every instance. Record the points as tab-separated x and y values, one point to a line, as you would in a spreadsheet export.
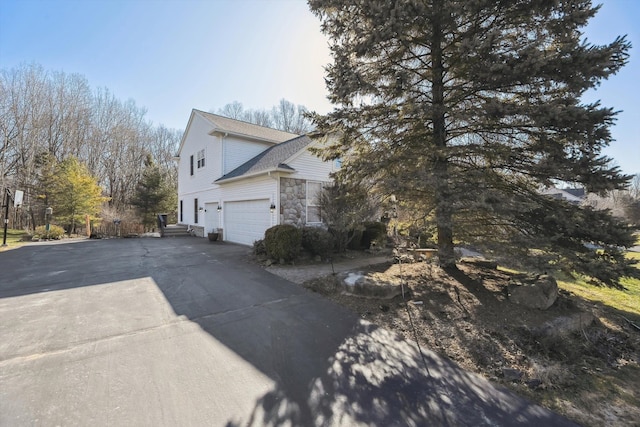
252	175
215	132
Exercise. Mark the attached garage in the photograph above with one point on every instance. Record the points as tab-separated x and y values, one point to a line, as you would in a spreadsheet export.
246	221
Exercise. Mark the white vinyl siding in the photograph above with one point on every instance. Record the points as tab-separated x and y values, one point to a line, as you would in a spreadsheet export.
310	167
249	189
211	217
237	152
197	140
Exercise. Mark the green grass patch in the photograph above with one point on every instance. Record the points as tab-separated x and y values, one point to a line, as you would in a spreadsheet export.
14	237
626	300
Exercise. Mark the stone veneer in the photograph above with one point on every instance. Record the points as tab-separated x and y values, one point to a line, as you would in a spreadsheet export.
293	201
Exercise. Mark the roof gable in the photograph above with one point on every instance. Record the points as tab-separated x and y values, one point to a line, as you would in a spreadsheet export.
273	158
240	128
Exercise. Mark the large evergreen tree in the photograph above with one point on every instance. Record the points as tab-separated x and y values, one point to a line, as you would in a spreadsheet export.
471	107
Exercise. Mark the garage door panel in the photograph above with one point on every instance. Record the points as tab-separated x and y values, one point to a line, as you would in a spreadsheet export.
246	221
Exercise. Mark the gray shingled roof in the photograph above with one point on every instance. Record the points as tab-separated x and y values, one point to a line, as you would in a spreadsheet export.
238	127
270	159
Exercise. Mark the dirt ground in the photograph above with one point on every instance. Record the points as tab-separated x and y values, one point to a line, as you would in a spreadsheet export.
591	375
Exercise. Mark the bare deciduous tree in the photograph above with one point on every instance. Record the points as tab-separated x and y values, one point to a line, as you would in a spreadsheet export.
55	115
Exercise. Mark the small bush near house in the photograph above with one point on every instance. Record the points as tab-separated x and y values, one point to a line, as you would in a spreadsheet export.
317	241
259	248
374	232
55	232
356	240
283	242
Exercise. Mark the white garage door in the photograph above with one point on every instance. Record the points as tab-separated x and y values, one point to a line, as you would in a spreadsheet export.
246	221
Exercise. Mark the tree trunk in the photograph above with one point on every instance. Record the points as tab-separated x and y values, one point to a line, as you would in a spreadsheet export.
444	210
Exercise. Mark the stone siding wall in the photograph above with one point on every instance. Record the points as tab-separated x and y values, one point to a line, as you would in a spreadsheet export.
293	201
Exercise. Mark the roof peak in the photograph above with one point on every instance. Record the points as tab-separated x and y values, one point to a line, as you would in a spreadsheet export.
242	127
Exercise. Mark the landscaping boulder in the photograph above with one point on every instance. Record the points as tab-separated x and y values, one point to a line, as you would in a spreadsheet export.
565	325
359	284
511	374
537	291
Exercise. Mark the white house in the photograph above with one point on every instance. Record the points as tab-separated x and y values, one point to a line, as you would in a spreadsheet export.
571	195
243	178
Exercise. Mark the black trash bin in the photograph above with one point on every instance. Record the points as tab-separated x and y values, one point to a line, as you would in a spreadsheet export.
164	219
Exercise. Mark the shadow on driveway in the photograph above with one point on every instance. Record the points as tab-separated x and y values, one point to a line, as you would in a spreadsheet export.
329	367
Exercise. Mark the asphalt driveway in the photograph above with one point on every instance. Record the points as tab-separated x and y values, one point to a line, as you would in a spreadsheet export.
165	332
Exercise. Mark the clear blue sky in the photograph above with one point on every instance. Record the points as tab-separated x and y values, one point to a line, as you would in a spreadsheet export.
174	55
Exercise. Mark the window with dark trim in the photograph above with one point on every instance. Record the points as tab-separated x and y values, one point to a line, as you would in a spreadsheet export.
191	164
200	159
195	211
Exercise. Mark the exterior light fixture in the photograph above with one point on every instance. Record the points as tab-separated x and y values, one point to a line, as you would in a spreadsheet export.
219	208
272	208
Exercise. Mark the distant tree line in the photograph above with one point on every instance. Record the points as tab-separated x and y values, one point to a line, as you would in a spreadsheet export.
48	117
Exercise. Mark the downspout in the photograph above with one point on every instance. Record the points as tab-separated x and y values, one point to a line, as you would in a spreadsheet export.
278	219
220	201
224	157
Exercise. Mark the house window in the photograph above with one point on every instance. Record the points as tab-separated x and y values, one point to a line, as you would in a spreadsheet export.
200	159
180	211
313	202
191	164
195	211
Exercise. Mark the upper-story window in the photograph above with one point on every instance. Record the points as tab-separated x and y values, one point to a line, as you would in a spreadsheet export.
200	159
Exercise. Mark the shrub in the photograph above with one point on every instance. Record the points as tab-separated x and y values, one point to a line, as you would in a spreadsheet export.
374	232
356	240
317	241
259	247
426	240
55	232
283	242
